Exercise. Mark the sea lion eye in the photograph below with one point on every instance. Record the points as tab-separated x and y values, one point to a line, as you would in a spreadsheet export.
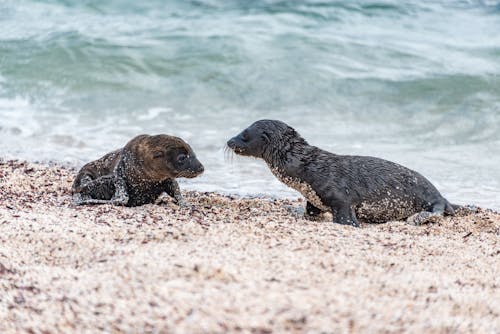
157	154
181	157
244	136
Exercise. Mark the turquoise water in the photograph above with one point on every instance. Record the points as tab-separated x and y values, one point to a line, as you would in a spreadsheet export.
416	82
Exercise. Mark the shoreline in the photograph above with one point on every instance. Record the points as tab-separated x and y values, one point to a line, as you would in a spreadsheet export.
230	263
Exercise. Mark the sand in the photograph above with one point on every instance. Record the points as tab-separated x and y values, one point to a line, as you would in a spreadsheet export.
229	264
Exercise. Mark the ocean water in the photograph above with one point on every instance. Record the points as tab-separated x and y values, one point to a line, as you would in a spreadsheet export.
415	82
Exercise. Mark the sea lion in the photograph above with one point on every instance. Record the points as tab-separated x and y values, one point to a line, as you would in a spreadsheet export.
138	173
351	187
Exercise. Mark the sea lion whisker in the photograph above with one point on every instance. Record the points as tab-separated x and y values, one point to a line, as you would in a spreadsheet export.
228	153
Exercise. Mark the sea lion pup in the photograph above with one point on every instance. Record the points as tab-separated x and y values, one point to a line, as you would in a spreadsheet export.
351	187
138	173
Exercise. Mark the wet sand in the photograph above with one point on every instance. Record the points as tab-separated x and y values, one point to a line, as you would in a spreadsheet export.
229	264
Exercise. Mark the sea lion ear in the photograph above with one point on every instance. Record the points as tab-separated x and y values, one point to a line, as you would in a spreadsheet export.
266	137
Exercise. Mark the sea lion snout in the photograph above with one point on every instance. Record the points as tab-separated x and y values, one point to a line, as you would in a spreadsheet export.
195	168
236	144
190	167
250	142
198	168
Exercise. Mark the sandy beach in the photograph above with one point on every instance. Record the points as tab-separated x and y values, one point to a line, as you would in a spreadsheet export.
228	264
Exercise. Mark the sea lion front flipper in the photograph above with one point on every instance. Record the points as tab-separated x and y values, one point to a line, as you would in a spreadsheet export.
344	215
173	190
120	195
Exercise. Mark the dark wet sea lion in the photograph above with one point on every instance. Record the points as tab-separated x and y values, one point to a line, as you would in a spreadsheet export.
351	187
138	173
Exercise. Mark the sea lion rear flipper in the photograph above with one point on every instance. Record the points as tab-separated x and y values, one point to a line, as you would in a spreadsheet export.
443	207
438	209
105	189
78	199
311	212
101	188
449	209
424	217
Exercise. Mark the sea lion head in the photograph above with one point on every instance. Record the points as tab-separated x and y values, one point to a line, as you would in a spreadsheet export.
262	136
163	156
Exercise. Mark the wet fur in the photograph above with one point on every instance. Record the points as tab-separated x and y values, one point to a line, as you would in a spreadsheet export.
138	173
351	187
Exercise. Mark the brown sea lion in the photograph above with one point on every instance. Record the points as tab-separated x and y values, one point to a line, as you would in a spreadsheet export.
351	187
138	173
